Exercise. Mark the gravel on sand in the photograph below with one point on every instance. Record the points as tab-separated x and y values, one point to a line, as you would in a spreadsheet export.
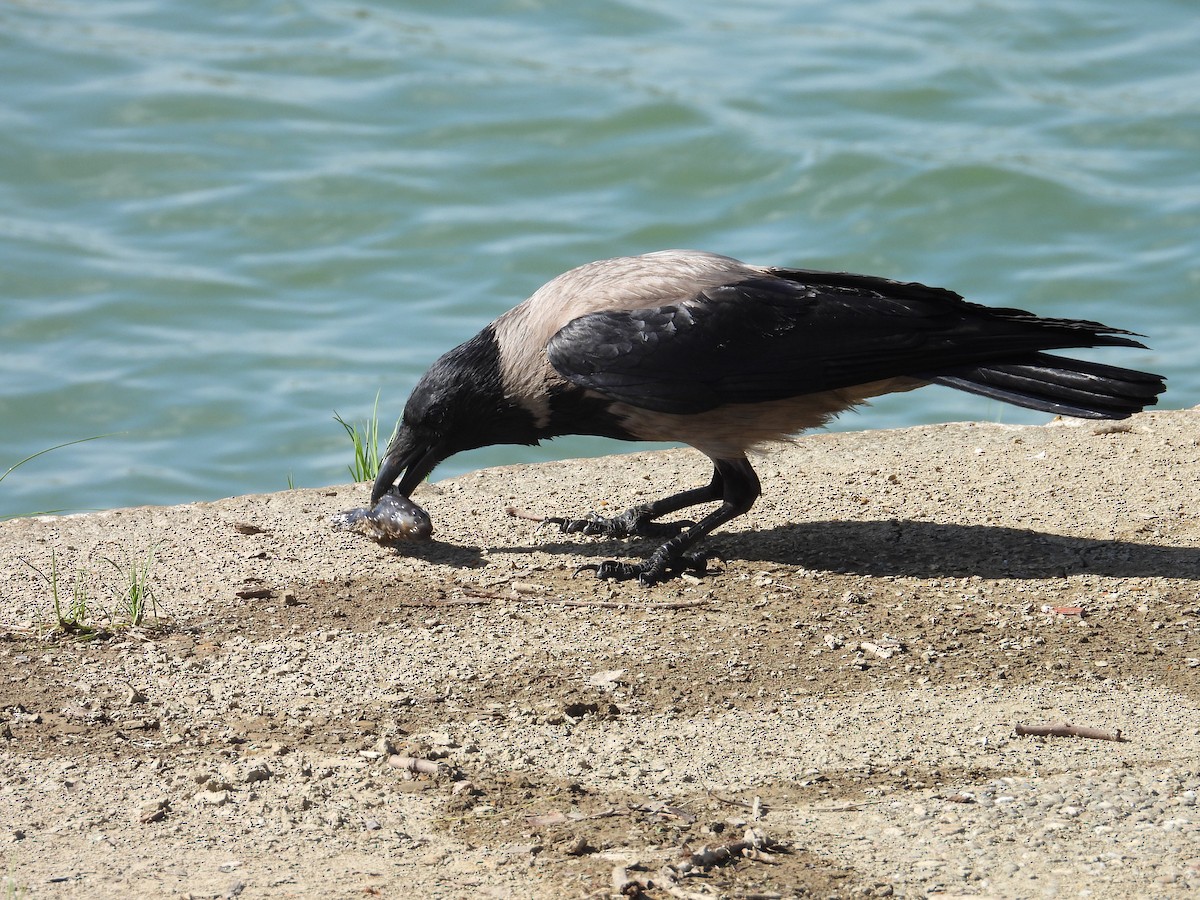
323	716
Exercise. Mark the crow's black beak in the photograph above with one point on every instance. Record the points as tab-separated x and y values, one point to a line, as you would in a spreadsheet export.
408	455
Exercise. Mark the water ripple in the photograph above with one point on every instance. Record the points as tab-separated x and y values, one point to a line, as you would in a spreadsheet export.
220	223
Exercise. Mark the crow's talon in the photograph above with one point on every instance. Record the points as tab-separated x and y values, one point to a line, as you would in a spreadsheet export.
619	571
655	570
628	524
612	570
665	529
589	524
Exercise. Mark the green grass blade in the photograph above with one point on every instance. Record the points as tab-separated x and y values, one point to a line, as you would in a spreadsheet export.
364	436
17	465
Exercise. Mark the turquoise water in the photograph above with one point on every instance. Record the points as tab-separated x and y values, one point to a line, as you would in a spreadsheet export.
221	222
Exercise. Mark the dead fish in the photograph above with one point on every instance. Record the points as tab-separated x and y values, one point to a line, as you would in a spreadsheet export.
393	518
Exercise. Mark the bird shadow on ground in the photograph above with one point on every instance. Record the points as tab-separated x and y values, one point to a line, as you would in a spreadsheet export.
899	547
463	556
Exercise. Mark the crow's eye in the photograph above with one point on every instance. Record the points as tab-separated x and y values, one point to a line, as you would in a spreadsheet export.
422	411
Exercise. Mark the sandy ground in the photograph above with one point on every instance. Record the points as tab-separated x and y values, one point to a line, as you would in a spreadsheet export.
845	687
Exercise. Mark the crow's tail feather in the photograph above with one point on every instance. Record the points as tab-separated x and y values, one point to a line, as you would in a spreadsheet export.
1055	384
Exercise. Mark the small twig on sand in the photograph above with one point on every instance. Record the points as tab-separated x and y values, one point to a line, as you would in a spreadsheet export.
753	844
1065	729
847	807
414	764
560	818
664	811
727	801
522	514
669	879
622	604
481	596
448	601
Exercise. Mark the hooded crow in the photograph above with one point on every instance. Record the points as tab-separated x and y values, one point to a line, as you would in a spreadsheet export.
701	349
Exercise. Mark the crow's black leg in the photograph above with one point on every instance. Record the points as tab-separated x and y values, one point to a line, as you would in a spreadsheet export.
638	521
739	489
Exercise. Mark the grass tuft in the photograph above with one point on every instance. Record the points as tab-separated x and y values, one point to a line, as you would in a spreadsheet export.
73	612
135	594
78	611
365	438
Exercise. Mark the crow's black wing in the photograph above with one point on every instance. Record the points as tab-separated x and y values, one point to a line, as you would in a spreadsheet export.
797	332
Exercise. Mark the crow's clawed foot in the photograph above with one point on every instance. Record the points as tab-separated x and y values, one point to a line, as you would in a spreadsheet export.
659	567
629	524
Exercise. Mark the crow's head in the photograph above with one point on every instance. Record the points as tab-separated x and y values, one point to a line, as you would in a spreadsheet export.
459	404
